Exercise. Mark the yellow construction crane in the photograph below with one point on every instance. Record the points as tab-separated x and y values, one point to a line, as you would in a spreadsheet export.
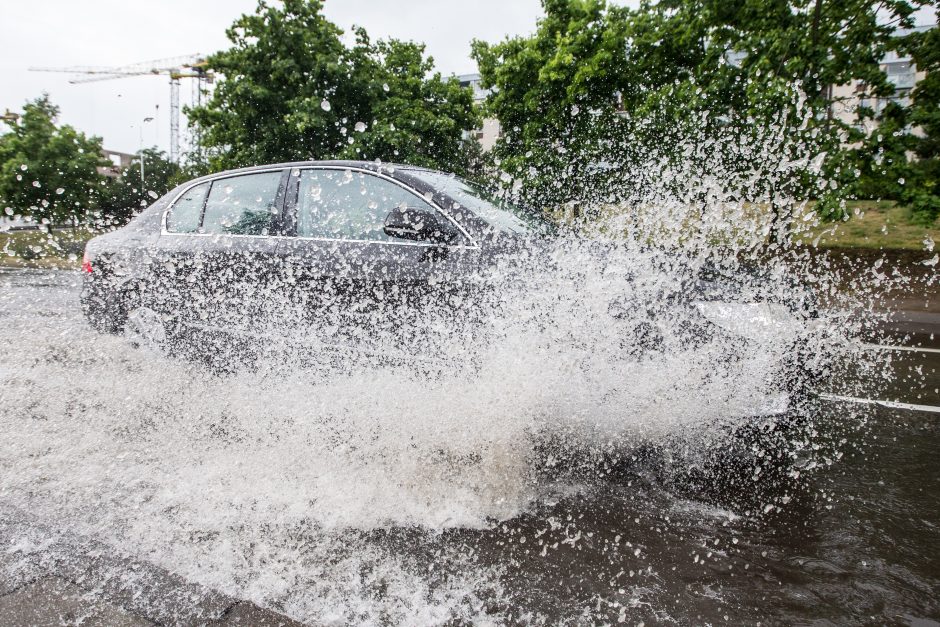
189	66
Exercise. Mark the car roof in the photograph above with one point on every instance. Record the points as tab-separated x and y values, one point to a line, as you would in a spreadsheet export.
373	166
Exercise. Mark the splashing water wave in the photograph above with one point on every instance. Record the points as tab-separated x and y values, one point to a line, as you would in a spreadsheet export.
296	484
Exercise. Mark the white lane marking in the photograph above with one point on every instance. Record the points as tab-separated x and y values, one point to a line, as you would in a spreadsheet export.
913	349
870	401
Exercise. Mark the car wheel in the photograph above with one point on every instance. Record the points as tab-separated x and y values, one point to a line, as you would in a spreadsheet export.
105	314
144	328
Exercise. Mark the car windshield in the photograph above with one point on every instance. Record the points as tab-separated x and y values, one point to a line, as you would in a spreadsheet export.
497	212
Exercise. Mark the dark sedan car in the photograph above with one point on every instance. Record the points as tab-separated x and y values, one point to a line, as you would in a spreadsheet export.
358	256
359	232
359	250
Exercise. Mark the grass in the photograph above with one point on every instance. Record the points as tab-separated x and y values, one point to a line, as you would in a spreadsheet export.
60	248
874	225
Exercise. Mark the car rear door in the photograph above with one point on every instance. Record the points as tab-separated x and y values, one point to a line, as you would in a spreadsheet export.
239	270
352	282
216	266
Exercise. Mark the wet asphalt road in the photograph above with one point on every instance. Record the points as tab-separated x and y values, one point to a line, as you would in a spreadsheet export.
857	543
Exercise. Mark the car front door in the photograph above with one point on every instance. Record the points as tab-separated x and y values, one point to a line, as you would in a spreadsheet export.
353	282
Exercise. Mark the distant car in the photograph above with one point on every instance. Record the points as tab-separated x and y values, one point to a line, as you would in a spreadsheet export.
338	243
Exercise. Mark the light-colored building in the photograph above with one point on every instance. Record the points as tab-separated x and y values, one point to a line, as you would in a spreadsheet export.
119	161
901	72
490	131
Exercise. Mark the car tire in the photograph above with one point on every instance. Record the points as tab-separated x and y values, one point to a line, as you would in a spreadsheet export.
105	313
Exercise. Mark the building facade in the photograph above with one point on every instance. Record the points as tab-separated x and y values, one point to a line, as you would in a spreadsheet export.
119	161
902	73
490	130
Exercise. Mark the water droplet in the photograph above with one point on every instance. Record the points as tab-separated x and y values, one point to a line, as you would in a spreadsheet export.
60	190
325	105
36	184
360	127
385	86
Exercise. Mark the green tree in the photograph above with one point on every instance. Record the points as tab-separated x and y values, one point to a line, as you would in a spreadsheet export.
417	116
293	91
922	193
684	72
817	45
282	76
48	172
126	194
555	96
882	156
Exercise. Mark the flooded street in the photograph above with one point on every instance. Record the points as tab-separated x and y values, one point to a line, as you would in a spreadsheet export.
221	480
557	312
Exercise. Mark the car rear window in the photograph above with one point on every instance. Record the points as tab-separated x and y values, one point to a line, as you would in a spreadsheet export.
242	205
186	211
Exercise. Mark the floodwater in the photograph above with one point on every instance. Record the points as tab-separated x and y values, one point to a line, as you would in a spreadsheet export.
220	479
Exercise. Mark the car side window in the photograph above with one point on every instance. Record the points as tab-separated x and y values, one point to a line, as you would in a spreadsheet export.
349	205
242	205
186	211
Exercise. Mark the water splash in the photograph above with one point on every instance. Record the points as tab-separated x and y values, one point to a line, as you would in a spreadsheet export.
338	488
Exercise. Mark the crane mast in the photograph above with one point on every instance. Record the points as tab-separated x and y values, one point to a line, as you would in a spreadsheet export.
174	119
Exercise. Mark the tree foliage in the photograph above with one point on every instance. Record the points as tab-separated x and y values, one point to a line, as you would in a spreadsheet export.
47	171
923	191
124	196
816	45
292	90
686	69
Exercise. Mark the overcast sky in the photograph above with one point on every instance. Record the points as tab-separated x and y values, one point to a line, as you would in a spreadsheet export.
58	33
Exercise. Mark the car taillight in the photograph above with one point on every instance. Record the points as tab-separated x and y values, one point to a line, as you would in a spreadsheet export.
86	263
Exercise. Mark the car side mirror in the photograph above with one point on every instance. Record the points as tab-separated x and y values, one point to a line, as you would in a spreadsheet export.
420	225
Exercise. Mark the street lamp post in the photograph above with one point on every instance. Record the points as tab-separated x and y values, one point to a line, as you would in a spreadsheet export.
147	119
